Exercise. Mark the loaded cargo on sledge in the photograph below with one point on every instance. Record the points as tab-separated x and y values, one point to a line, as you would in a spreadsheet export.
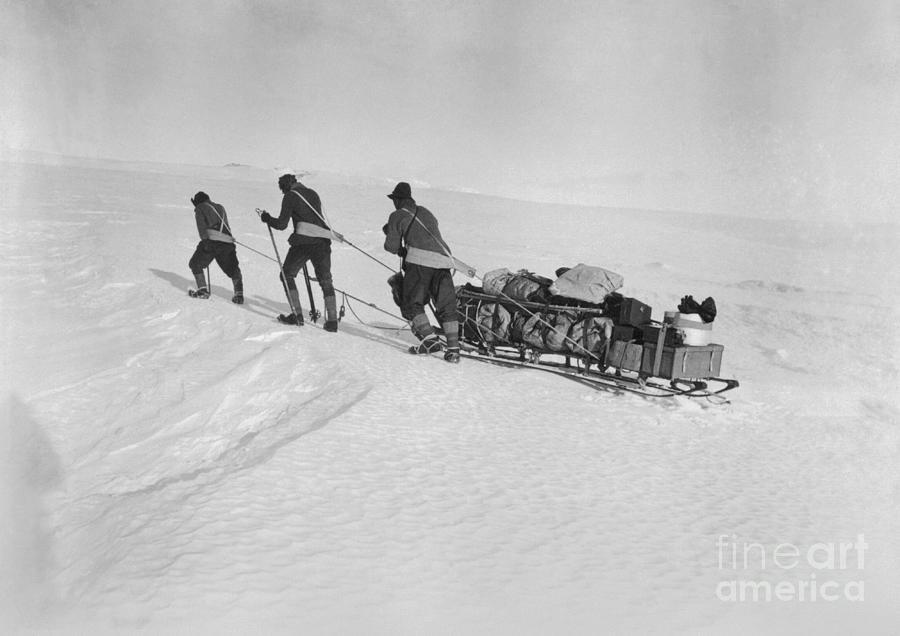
581	326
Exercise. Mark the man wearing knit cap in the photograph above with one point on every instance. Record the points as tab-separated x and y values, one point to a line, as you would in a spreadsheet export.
216	243
412	233
309	241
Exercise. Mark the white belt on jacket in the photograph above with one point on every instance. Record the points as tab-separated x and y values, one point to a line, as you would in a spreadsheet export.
311	229
427	258
216	235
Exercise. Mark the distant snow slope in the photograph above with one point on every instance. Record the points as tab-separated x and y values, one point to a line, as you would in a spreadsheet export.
173	465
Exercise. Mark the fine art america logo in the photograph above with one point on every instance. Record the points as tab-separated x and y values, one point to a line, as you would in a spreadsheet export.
789	572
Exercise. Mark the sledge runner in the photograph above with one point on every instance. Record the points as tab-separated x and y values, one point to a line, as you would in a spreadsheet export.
412	233
216	243
310	241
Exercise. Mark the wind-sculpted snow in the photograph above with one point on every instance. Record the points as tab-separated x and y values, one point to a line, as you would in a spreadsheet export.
204	469
768	286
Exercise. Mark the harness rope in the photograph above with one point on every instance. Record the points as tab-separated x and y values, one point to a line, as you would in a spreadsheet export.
339	236
221	218
373	306
344	293
471	272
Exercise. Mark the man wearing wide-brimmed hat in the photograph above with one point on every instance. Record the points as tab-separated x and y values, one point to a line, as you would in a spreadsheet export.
412	233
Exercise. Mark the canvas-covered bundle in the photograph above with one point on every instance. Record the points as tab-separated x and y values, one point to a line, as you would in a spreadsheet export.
489	322
587	283
579	285
591	333
525	310
548	331
493	321
521	285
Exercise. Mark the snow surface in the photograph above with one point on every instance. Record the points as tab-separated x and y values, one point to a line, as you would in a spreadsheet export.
175	465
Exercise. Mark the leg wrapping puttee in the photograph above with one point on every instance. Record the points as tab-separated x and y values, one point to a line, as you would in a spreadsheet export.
451	332
421	326
200	279
295	301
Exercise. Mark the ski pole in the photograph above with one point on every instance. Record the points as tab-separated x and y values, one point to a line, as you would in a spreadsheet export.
313	312
208	281
287	291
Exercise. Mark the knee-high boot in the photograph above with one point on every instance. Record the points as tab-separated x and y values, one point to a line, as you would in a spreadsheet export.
200	279
202	290
451	332
238	297
295	301
331	317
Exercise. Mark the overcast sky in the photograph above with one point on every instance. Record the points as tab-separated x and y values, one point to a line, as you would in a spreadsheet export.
756	107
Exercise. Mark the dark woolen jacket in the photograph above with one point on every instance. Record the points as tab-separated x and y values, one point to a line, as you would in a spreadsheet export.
209	216
424	238
294	209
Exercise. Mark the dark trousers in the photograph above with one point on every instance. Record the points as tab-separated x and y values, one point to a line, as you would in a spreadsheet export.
320	255
223	253
423	284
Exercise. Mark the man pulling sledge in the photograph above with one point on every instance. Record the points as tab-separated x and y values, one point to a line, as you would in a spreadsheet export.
412	233
310	241
216	243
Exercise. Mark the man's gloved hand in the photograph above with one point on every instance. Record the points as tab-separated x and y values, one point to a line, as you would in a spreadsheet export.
401	252
338	236
265	217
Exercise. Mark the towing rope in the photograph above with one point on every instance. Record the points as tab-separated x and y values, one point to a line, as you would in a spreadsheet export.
362	322
365	253
504	296
345	294
253	250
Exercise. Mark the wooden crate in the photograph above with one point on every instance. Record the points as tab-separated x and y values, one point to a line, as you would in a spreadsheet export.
625	355
682	362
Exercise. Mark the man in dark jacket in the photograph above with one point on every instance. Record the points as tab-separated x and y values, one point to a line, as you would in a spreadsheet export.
310	241
427	262
216	243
